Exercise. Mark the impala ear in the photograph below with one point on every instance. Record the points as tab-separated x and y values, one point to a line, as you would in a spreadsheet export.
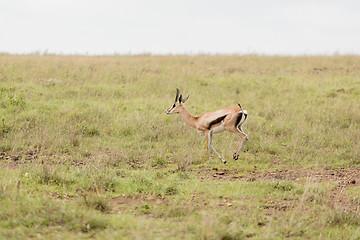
184	100
180	98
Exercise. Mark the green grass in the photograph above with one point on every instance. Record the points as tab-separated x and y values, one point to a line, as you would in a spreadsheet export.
86	150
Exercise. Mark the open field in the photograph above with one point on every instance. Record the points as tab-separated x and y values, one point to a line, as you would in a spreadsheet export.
87	151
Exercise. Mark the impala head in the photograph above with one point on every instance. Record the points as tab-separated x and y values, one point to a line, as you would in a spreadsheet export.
178	104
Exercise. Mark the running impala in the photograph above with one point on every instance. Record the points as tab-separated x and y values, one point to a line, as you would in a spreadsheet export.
210	123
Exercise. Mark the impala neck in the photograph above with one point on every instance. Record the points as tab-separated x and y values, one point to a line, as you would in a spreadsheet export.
188	118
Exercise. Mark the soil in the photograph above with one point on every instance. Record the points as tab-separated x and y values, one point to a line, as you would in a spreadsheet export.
342	176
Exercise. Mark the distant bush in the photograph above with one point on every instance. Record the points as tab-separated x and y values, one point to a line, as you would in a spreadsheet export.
16	100
8	98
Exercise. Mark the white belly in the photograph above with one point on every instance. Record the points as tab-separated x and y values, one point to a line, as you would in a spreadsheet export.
218	129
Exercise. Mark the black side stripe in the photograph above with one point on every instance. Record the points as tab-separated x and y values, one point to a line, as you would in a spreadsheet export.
219	119
239	119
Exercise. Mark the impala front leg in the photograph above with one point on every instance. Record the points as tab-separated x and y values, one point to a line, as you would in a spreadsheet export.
208	146
210	143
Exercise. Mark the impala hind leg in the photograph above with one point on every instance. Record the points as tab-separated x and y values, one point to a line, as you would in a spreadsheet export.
234	125
244	139
242	142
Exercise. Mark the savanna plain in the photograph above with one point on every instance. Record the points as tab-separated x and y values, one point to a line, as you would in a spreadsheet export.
87	151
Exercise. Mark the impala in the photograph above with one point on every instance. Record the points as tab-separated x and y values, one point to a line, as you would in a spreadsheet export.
210	123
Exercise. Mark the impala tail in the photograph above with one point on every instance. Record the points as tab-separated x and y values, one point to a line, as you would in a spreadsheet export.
242	117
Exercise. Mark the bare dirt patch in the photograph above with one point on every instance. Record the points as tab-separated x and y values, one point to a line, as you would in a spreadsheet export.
343	176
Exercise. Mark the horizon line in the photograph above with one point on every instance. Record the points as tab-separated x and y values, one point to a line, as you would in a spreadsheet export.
200	53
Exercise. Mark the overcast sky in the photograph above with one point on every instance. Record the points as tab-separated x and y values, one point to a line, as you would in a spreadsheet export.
180	26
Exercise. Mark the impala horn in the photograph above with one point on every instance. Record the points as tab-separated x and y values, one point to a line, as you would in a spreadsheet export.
177	94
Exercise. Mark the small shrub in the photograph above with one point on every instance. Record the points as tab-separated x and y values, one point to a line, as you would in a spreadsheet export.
93	224
16	100
145	209
158	162
171	190
99	203
283	186
143	185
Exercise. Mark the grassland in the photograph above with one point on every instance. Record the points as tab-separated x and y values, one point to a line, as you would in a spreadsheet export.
86	150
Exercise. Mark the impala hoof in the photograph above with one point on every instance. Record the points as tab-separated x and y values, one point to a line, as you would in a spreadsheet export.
235	157
224	162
